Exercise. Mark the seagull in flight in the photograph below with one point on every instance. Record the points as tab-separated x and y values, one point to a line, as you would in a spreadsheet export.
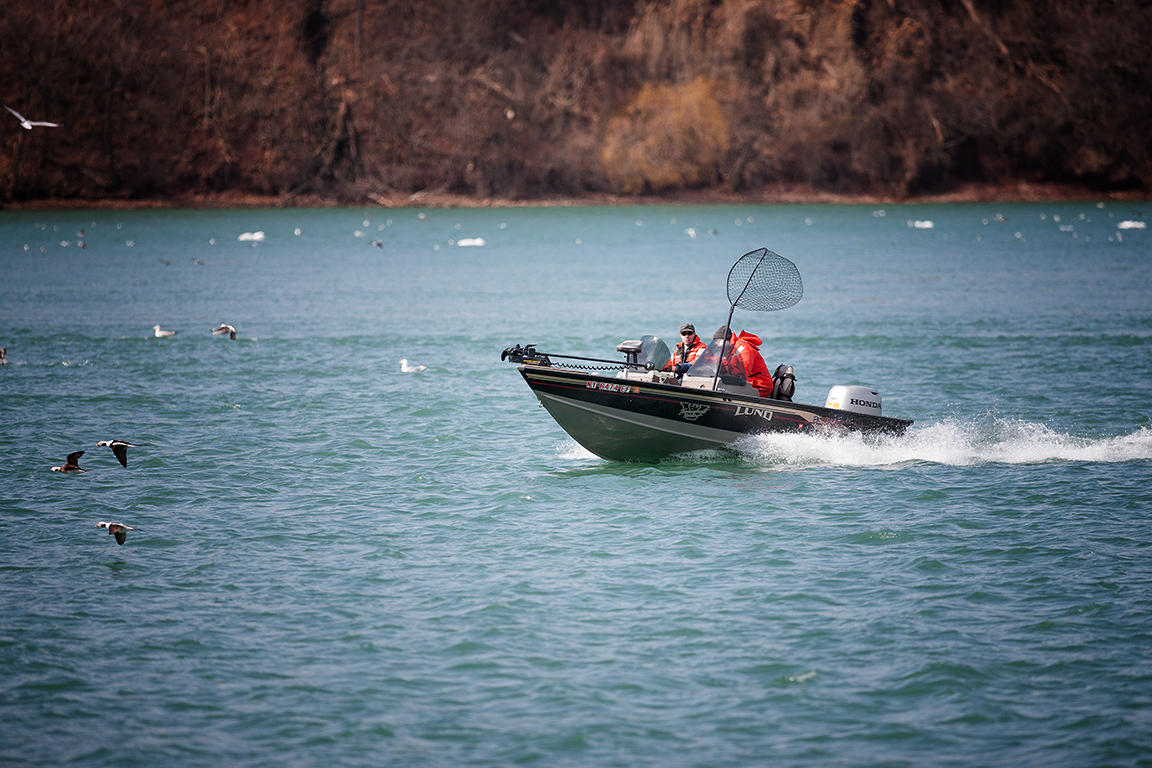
224	328
119	530
27	124
120	448
71	464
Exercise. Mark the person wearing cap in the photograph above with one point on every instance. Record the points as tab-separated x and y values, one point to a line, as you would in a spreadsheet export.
746	347
687	350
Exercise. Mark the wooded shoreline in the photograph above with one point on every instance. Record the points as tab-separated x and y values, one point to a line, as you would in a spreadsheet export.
508	102
1003	193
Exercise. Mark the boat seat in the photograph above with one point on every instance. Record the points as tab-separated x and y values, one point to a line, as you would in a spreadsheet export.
631	349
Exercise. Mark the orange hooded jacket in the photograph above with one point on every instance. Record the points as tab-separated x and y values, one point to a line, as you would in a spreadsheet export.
747	347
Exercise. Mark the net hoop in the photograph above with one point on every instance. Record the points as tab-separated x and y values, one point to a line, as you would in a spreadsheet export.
764	281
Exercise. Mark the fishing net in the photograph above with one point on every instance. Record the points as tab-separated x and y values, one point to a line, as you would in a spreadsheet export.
764	281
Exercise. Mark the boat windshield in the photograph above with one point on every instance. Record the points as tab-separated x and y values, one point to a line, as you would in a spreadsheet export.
654	350
705	365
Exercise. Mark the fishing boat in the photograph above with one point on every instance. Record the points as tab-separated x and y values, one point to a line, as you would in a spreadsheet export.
634	410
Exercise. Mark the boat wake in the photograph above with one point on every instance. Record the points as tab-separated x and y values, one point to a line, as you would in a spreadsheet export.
991	441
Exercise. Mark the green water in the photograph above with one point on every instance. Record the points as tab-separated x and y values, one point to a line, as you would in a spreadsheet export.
339	563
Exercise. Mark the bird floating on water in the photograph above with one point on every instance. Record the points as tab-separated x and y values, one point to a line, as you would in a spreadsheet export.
406	368
119	530
28	124
3	356
162	334
71	464
120	448
224	328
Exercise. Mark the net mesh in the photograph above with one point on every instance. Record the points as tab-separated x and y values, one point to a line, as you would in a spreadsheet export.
764	281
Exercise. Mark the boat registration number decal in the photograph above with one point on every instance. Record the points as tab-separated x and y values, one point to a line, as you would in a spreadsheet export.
745	410
625	389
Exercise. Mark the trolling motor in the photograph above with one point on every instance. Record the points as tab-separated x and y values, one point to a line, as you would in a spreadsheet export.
526	354
632	350
783	383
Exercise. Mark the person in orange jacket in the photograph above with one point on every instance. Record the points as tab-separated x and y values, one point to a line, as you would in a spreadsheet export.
687	350
746	347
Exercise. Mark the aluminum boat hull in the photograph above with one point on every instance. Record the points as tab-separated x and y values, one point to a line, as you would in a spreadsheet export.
635	420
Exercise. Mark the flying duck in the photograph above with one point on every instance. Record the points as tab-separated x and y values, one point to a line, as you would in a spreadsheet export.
119	530
120	448
71	466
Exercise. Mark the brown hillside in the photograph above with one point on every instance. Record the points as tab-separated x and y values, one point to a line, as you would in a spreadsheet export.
353	100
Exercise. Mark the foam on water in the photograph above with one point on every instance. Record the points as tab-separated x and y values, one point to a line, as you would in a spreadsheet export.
952	442
956	443
572	450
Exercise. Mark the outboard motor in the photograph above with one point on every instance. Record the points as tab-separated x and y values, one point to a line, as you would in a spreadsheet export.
856	399
783	383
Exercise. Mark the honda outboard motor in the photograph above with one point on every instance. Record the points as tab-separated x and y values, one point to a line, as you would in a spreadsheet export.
783	383
856	399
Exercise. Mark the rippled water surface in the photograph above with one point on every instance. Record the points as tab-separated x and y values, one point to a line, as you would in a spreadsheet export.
336	563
